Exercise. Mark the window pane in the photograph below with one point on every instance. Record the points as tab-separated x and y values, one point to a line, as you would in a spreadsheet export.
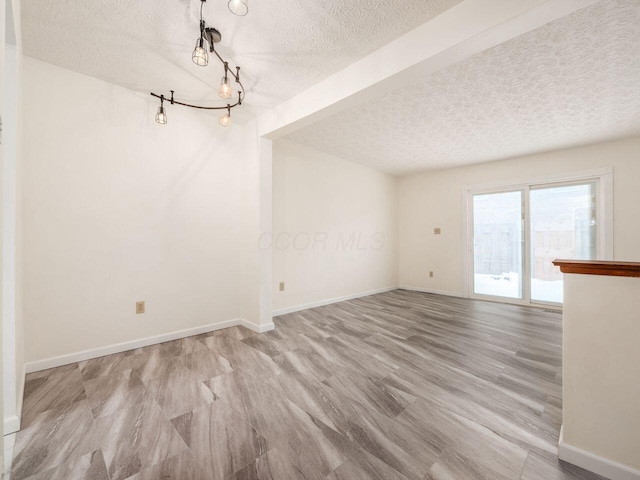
563	225
497	225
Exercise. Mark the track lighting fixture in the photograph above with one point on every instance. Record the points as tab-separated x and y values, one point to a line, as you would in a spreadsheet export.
225	120
230	84
161	116
225	91
200	55
239	7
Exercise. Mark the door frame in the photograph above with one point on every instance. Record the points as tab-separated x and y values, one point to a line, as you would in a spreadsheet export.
604	213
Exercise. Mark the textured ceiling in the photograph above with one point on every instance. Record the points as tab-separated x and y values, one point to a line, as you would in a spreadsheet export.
572	82
284	47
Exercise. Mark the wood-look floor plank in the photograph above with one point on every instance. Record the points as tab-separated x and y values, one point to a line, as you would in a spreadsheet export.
395	386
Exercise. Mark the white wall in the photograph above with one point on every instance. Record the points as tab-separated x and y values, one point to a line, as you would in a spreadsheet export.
118	209
2	47
11	251
601	372
334	227
11	361
435	199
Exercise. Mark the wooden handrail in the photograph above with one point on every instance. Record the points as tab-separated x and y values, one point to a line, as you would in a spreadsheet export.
599	267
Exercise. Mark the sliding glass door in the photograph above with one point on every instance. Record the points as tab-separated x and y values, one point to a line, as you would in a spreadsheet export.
517	233
497	252
563	225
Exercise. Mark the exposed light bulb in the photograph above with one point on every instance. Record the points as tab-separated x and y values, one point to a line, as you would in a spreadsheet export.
225	120
239	7
161	116
225	90
200	55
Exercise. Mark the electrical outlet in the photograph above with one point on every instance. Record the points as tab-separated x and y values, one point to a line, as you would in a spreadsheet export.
282	286
139	307
430	274
437	231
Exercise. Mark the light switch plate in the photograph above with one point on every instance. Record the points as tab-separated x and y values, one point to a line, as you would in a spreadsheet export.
139	307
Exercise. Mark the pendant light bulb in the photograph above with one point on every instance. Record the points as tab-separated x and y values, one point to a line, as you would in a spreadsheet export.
200	55
161	116
225	120
225	91
239	7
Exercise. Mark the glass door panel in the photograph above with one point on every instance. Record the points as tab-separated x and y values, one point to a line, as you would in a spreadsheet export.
563	225
497	244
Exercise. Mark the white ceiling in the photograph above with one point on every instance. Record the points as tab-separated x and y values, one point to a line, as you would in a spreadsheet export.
572	82
283	47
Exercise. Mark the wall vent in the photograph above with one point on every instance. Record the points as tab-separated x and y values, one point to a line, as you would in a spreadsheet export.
548	310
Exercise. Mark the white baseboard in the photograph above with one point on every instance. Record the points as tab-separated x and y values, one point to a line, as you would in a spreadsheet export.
143	342
594	463
23	379
329	301
257	328
11	424
429	290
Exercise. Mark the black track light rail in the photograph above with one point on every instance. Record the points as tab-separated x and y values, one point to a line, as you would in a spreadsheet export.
176	102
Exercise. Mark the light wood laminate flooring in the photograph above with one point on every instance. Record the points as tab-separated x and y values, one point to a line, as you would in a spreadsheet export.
395	386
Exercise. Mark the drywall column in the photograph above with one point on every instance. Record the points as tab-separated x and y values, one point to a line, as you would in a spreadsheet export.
601	368
266	227
12	369
257	176
11	288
